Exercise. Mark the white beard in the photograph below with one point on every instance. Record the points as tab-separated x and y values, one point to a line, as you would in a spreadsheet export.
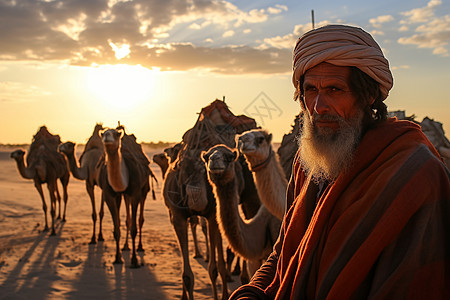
325	152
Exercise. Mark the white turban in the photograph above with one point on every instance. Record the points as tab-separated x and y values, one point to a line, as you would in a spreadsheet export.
342	45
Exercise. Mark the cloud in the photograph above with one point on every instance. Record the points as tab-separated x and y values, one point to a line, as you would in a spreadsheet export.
288	41
277	9
17	92
432	32
402	67
142	32
376	22
228	33
422	14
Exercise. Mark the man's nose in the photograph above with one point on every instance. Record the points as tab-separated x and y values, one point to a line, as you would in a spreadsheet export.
321	103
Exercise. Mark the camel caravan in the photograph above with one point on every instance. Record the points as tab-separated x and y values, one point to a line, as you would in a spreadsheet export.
224	175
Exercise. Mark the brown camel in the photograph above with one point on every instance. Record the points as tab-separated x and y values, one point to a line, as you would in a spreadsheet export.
270	179
252	239
163	160
124	171
88	171
45	165
186	193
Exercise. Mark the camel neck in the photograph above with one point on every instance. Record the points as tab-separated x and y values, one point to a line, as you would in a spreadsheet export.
262	164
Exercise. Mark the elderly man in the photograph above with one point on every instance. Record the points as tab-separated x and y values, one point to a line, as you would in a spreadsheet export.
369	199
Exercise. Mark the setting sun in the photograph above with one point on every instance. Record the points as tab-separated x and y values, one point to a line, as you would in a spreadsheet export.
121	86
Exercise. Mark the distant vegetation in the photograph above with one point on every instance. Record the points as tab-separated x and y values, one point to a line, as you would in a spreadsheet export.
157	145
151	145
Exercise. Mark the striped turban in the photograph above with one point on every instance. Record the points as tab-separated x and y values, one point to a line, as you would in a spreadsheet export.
342	45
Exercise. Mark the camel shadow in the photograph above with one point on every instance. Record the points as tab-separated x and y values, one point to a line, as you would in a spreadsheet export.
136	283
34	272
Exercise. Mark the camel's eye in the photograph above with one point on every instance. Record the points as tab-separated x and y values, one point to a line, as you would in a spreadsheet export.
260	140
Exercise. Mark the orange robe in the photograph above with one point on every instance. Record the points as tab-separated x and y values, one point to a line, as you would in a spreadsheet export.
380	231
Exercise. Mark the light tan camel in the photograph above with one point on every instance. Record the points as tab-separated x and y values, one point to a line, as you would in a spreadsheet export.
186	193
45	165
252	239
163	160
124	171
268	174
88	171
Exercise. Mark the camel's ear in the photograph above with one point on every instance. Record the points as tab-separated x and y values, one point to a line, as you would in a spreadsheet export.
120	132
236	138
235	154
269	138
205	156
101	132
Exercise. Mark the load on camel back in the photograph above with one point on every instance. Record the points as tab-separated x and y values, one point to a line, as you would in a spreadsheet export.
216	124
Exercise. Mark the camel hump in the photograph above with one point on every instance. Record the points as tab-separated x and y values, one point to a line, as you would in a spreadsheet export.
132	150
95	141
43	141
289	146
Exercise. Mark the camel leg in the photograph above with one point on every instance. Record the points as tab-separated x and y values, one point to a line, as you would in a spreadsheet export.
65	183
244	277
222	265
193	222
51	185
133	231
101	214
90	191
237	266
44	205
141	223
180	226
113	202
205	232
128	223
58	200
213	232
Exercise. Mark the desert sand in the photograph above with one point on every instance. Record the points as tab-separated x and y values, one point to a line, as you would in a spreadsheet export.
34	265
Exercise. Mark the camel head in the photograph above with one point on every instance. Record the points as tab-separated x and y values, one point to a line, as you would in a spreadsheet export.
162	161
220	163
255	144
172	152
111	138
18	154
68	148
193	180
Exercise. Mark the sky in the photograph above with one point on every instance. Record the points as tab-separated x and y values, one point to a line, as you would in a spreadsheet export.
152	65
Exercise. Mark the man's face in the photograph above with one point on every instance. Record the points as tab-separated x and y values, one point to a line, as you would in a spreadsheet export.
328	96
332	124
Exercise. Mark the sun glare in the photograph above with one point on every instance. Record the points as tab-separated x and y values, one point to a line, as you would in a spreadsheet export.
121	86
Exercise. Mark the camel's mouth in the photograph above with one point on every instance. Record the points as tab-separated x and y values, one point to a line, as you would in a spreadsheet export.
217	170
247	150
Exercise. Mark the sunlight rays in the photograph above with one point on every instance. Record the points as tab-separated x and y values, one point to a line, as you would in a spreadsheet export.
122	87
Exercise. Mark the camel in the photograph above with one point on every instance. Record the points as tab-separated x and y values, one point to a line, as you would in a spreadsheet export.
45	165
88	171
124	171
163	160
252	239
270	179
186	193
434	132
